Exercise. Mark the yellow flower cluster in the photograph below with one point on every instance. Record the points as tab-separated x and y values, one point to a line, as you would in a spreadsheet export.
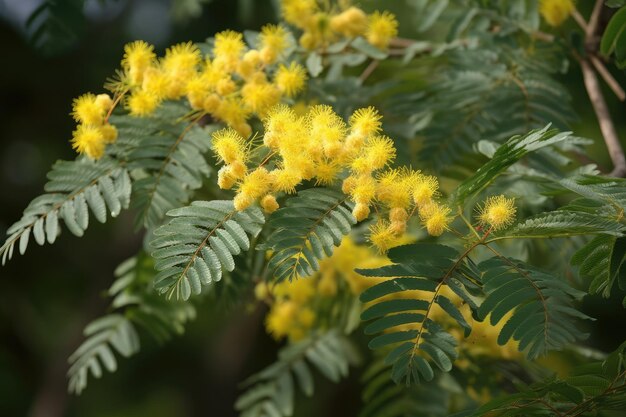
319	146
555	12
232	85
293	305
94	131
323	25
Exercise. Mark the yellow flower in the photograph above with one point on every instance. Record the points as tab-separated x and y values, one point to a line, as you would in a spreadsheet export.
435	218
269	204
378	152
381	29
555	12
142	103
351	22
290	80
156	82
298	12
279	121
382	236
227	49
285	180
364	190
225	178
365	121
232	111
260	97
360	211
394	187
138	57
88	140
273	40
425	189
242	201
280	320
498	212
179	65
306	317
326	172
109	133
229	146
88	110
104	101
256	183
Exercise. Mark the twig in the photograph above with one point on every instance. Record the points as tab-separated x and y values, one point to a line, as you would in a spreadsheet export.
608	78
369	70
592	27
595	93
604	119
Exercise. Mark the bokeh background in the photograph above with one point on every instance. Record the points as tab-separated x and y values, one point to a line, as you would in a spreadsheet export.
48	296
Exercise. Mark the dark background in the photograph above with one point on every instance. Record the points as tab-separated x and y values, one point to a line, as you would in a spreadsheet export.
48	296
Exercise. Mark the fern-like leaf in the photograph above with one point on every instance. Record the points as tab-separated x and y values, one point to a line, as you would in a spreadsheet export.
174	166
271	392
405	324
307	230
601	259
73	188
384	398
542	317
135	304
199	242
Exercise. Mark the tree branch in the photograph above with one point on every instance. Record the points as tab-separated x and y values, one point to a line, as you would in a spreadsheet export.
604	119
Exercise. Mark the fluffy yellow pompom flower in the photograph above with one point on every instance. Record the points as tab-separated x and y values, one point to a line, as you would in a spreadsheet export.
256	183
229	146
280	319
555	12
290	80
227	49
498	212
156	82
351	22
382	236
381	29
360	211
179	65
273	40
232	111
138	57
104	101
87	110
364	189
379	151
260	97
279	122
425	189
298	12
286	180
109	133
365	121
88	140
394	187
142	103
269	204
326	172
435	217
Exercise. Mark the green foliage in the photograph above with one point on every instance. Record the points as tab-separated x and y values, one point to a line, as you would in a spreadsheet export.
55	26
592	388
506	155
165	153
133	304
543	316
199	242
307	230
74	188
614	38
383	398
271	392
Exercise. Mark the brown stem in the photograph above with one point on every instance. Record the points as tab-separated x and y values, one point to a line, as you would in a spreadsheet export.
592	27
369	70
604	119
608	78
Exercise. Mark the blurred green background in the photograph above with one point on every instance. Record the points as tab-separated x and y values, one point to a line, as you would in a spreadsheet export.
48	296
